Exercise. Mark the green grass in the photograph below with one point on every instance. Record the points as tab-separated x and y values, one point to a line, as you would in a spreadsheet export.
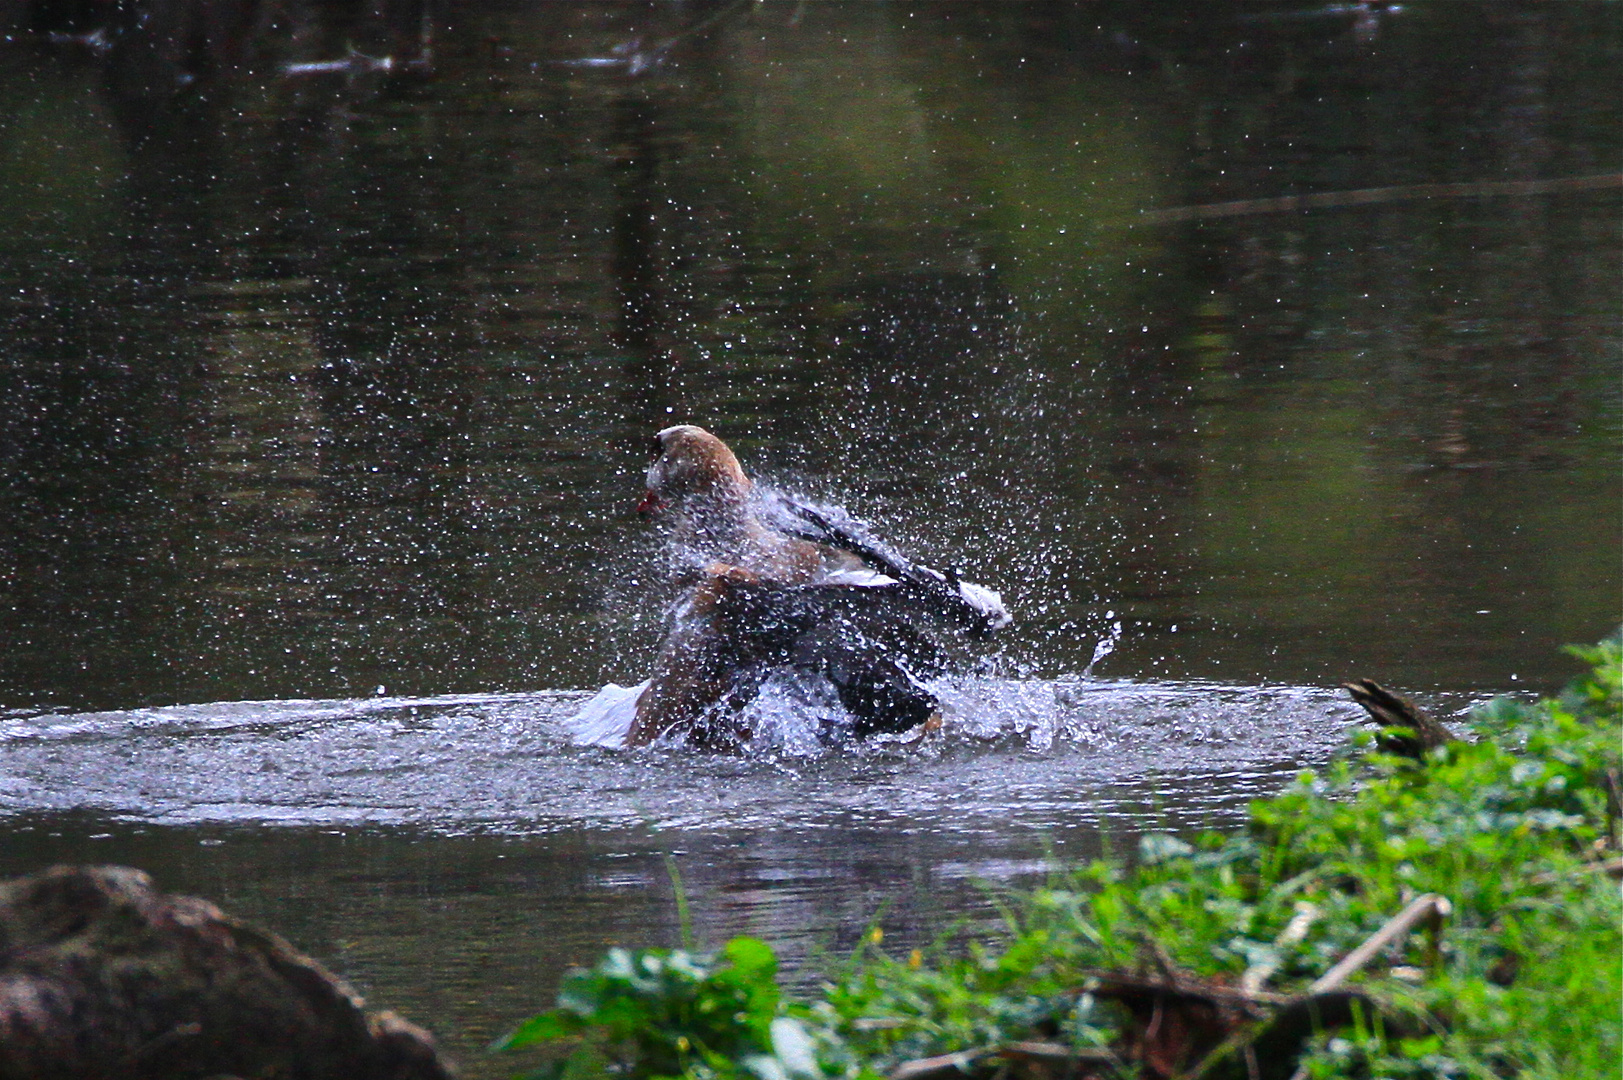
1521	980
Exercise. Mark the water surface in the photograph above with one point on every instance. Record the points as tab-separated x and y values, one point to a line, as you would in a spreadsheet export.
454	855
326	396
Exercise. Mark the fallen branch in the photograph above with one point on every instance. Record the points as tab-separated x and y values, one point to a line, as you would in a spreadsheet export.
1258	974
1430	906
1325	1005
1407	729
942	1067
969	1062
1177	1016
1056	1054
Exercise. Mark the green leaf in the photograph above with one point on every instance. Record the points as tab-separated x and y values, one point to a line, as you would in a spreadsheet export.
751	957
586	1063
547	1027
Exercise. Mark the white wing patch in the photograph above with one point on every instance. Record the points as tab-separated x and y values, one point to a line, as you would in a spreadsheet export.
606	719
863	578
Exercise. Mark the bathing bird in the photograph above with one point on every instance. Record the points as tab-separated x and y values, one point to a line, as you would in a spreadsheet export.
696	482
773	584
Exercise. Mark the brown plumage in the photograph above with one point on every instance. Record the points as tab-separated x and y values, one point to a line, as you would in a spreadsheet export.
698	482
763	598
695	664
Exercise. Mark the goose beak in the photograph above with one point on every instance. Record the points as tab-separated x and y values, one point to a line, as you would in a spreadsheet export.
651	504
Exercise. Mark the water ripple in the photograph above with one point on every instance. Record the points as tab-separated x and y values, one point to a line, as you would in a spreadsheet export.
1027	753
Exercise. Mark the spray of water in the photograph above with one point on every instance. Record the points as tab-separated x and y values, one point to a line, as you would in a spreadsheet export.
859	663
1105	646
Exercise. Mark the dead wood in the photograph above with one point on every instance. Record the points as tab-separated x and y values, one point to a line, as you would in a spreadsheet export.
944	1066
1179	1026
1269	1048
1429	907
1017	1060
1406	729
1180	1020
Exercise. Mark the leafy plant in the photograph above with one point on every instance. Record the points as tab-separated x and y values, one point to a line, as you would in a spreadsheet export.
1516	827
668	1013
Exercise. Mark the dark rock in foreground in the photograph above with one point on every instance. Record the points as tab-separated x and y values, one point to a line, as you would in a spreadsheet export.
103	977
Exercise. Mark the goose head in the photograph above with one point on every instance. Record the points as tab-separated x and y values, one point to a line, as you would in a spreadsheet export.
697	479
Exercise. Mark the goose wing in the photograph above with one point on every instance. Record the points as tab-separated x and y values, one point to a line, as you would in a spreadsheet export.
973	606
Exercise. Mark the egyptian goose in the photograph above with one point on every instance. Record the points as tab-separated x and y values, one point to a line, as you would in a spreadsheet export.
782	584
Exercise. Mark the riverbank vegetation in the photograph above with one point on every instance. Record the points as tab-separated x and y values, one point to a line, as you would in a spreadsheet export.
1453	914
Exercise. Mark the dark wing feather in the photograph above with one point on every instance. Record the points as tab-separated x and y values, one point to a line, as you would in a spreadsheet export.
976	608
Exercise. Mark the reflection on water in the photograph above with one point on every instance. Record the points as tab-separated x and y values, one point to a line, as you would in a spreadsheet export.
321	379
321	383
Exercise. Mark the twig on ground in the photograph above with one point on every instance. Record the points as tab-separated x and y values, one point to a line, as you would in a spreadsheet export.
1430	906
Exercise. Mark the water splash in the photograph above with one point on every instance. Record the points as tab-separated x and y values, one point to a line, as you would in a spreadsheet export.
851	635
1106	645
1010	751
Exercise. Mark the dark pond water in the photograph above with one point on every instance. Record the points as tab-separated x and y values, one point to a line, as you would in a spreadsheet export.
326	394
